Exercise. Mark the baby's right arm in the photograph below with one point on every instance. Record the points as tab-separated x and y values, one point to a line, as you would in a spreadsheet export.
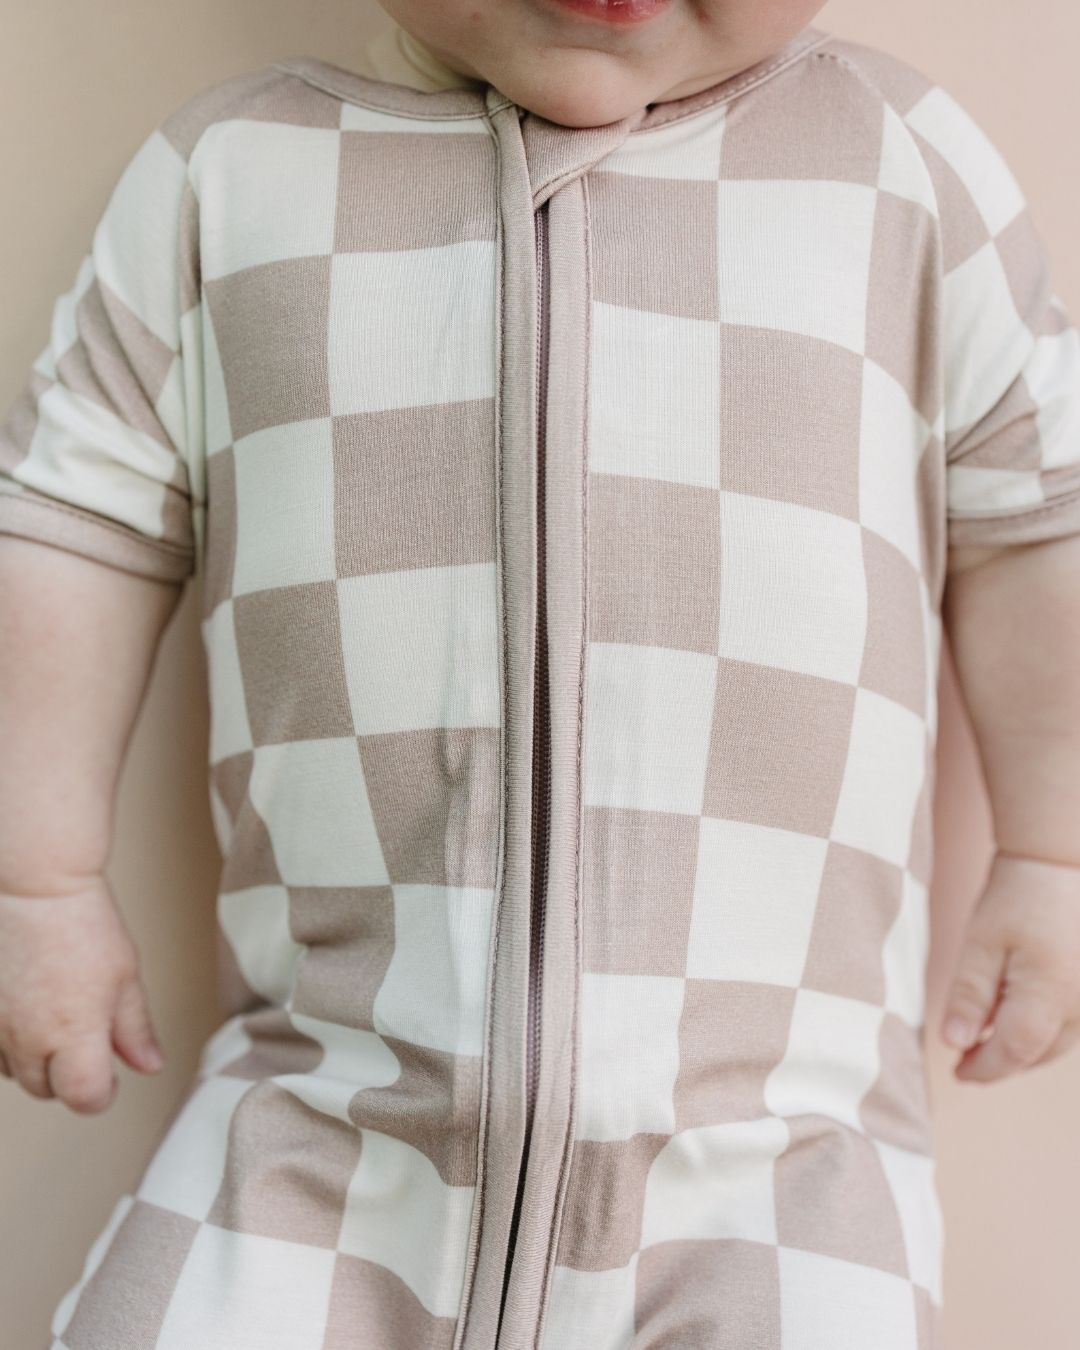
77	644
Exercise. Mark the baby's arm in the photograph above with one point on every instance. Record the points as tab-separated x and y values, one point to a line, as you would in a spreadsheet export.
1013	618
77	641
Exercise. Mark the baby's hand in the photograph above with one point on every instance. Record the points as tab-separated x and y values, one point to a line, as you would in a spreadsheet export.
70	994
1019	971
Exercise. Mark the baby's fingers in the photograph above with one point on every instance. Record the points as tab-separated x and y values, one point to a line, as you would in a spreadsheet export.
1027	1024
81	1074
974	988
132	1035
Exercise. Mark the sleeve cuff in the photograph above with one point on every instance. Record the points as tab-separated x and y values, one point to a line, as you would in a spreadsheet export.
34	516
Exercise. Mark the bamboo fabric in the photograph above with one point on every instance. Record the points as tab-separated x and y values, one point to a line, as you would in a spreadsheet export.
801	337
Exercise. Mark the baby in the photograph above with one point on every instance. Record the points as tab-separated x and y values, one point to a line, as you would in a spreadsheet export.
581	421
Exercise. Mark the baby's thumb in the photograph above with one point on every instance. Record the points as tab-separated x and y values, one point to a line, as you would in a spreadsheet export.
132	1035
974	989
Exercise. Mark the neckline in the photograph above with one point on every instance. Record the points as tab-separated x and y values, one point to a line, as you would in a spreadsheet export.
483	99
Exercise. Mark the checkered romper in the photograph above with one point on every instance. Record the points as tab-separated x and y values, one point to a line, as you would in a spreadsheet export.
570	510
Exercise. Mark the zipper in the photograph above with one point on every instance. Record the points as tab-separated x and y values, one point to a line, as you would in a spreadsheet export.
541	776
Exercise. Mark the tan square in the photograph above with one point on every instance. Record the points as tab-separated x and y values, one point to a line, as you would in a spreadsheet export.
895	657
348	932
414	487
833	1197
126	1298
263	95
638	879
967	230
720	1295
677	274
116	361
434	797
896	1110
433	1105
249	858
221	524
271	322
289	645
415	191
817	122
287	1168
903	333
731	1036
929	1320
605	1201
778	747
790	409
277	1047
365	1295
857	905
646	537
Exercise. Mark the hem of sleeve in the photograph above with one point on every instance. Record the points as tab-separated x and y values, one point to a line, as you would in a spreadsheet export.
77	531
1051	520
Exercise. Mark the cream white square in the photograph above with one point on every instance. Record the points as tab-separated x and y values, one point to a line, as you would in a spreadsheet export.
421	648
687	148
353	1059
971	489
433	990
136	240
1052	375
400	1214
243	1291
84	454
906	951
986	342
912	1180
830	1304
883	775
640	424
186	1170
355	117
629	1055
832	1058
755	895
966	147
314	800
715	1181
412	326
284	506
243	165
892	440
593	1308
255	921
644	747
802	262
792	587
902	169
230	733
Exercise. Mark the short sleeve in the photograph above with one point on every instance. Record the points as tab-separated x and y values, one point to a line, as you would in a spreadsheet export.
1011	353
97	451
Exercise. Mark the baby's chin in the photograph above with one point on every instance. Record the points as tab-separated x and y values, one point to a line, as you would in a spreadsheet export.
584	93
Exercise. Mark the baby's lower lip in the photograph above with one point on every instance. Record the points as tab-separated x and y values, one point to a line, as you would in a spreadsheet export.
616	11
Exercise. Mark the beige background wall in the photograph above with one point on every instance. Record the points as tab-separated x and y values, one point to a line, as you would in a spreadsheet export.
80	85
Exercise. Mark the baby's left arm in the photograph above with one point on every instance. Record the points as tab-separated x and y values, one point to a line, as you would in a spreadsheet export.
1013	619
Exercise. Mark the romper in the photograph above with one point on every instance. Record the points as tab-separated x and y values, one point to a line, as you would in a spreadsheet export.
570	511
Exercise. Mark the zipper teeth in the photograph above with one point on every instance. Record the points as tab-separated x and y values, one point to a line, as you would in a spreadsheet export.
542	776
541	784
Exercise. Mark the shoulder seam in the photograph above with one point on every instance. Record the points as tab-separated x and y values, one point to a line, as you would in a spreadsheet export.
876	89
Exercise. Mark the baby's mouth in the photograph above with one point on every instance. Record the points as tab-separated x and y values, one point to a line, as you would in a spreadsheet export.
615	11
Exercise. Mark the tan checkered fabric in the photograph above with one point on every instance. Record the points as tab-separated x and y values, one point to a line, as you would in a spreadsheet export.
801	337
